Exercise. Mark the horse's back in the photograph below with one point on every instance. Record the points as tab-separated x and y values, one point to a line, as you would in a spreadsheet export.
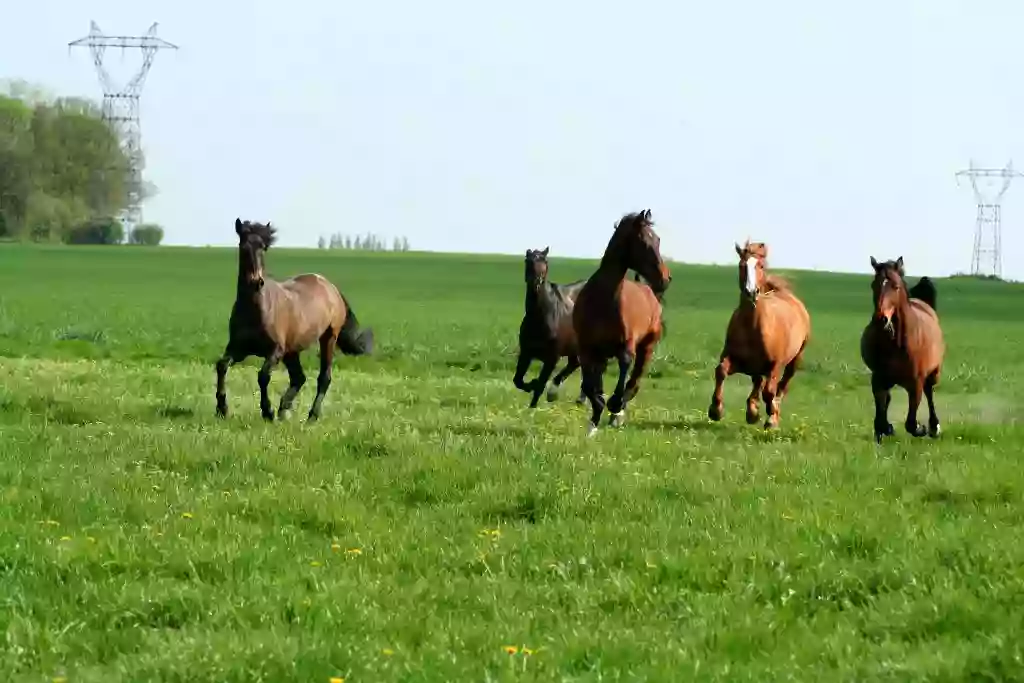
930	346
316	305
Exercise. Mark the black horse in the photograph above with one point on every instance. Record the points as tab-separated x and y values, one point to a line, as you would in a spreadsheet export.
546	333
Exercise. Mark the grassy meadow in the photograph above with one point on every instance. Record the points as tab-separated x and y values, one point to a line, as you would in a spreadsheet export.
432	528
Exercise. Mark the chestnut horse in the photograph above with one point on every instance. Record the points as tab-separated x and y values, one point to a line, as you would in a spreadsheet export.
619	318
902	345
765	339
278	320
546	331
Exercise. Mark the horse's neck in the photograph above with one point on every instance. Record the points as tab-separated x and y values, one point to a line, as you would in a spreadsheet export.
906	322
611	273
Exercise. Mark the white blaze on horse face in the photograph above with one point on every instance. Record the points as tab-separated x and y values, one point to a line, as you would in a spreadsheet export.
751	275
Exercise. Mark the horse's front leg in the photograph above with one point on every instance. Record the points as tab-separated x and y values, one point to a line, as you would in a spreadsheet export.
770	396
542	379
571	367
722	372
263	378
522	365
617	403
881	388
914	394
230	357
328	342
757	388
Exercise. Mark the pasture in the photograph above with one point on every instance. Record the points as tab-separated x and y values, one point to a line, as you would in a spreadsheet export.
431	528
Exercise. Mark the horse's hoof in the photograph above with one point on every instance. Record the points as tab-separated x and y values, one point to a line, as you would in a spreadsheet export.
934	430
552	395
752	418
916	430
581	400
885	430
591	430
269	417
715	412
222	412
617	419
770	426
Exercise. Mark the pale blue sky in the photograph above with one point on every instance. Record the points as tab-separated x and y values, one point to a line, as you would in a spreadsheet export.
830	130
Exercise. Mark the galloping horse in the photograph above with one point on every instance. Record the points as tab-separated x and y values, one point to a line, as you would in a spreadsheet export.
902	345
619	318
278	320
546	332
765	339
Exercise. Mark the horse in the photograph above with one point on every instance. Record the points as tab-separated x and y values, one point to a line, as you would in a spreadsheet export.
619	318
765	339
546	332
902	345
276	321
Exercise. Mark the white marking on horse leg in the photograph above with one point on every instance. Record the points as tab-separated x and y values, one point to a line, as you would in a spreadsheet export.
591	430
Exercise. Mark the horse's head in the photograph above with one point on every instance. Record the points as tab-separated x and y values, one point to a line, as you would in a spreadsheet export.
536	266
753	256
253	241
888	289
641	247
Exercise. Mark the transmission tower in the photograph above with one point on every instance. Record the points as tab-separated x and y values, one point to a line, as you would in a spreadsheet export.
988	241
121	104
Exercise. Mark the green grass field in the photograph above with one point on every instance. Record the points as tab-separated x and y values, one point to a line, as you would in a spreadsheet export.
430	522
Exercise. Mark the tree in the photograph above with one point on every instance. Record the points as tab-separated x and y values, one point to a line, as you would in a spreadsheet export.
321	243
149	234
62	170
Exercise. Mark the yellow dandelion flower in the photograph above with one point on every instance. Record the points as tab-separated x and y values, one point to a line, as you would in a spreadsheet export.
336	679
60	679
387	652
354	551
65	538
314	563
511	649
186	515
335	547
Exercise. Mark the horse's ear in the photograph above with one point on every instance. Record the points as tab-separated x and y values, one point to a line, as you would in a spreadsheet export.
874	263
739	249
238	226
647	214
899	264
545	252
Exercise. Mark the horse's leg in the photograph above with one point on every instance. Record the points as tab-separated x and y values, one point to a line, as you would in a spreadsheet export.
644	352
757	387
522	365
542	379
881	387
722	372
770	396
296	378
571	367
593	381
323	380
617	403
914	393
933	418
263	378
230	357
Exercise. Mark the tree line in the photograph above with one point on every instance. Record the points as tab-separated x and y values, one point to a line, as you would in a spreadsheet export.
63	174
367	242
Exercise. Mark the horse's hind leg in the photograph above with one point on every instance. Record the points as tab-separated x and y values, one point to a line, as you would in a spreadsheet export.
933	418
263	377
542	379
593	381
323	380
571	367
722	372
296	378
914	393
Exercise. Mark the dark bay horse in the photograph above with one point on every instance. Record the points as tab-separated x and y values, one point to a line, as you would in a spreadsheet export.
619	318
902	345
276	321
546	333
765	339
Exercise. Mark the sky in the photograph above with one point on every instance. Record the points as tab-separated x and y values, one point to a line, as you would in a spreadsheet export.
830	130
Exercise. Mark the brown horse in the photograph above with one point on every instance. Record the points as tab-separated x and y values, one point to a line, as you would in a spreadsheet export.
766	337
276	321
903	345
619	318
546	330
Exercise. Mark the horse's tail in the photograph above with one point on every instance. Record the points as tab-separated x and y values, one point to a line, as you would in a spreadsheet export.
353	340
926	292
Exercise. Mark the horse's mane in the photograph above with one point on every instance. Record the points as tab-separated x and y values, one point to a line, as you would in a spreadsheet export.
777	283
265	232
642	217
